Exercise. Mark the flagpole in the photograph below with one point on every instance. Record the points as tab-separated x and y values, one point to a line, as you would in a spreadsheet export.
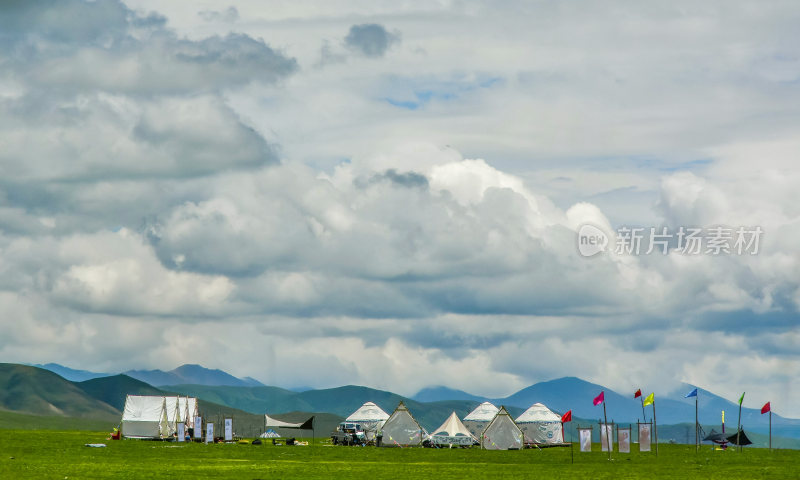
641	398
571	454
655	424
770	429
696	427
739	423
605	425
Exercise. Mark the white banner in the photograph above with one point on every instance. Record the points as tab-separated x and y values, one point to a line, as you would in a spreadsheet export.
585	435
606	435
198	427
181	432
209	433
228	429
624	440
644	437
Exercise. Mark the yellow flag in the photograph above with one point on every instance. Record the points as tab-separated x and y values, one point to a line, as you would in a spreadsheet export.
650	399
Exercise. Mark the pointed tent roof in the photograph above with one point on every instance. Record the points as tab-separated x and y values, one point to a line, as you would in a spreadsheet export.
401	428
538	412
502	433
452	427
484	412
369	412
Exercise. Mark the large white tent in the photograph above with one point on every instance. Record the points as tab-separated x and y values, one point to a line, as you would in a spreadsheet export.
502	433
174	416
452	432
540	425
145	417
188	409
479	419
371	418
401	429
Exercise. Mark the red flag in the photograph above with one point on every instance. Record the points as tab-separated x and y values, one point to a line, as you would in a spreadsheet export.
765	408
599	399
567	417
638	393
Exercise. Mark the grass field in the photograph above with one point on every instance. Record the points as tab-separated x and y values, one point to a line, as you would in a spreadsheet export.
62	455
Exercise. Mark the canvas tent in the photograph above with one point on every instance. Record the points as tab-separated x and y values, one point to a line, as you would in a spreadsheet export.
270	434
502	433
275	423
188	408
401	429
145	417
452	432
541	426
173	413
371	417
479	419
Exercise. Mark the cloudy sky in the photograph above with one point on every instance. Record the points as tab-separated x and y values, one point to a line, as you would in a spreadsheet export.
388	193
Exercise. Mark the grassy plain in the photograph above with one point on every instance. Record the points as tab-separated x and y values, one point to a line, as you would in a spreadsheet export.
63	455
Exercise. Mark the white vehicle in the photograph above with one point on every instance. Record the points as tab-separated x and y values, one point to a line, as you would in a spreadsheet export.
349	433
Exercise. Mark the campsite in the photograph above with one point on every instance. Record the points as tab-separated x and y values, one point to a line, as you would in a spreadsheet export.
62	454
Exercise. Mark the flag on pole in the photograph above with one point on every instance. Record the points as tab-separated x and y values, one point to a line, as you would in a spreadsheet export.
693	393
567	417
741	399
765	408
599	399
638	393
650	399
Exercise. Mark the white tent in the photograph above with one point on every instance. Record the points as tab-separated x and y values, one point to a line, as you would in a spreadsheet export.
502	433
145	417
452	432
479	419
371	418
188	408
401	429
173	413
541	425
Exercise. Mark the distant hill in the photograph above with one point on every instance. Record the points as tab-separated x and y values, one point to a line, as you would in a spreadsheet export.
571	393
435	394
191	374
113	390
70	373
37	391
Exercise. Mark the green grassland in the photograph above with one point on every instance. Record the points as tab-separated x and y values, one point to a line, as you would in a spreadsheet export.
63	455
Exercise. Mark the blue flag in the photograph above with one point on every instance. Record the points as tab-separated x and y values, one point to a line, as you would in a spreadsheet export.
693	393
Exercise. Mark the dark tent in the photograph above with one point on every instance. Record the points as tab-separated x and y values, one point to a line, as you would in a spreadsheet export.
721	438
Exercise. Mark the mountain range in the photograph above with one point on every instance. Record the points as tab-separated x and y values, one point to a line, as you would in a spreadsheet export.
429	406
185	374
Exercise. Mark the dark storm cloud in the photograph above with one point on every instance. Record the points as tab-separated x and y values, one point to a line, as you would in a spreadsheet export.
370	39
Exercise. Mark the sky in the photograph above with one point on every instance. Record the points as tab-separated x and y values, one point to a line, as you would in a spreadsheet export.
389	193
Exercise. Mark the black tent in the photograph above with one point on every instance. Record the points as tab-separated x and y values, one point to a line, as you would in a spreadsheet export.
723	438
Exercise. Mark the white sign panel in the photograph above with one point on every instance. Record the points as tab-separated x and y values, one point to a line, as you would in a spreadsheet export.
181	432
198	427
585	435
644	437
606	436
228	429
209	433
624	440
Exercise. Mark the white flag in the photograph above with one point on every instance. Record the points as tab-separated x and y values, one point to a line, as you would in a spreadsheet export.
624	440
644	437
209	433
585	435
198	427
181	432
606	435
228	429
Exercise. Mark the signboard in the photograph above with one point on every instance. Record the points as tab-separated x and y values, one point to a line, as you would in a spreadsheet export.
181	432
606	435
228	429
198	427
585	435
644	437
624	440
209	433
